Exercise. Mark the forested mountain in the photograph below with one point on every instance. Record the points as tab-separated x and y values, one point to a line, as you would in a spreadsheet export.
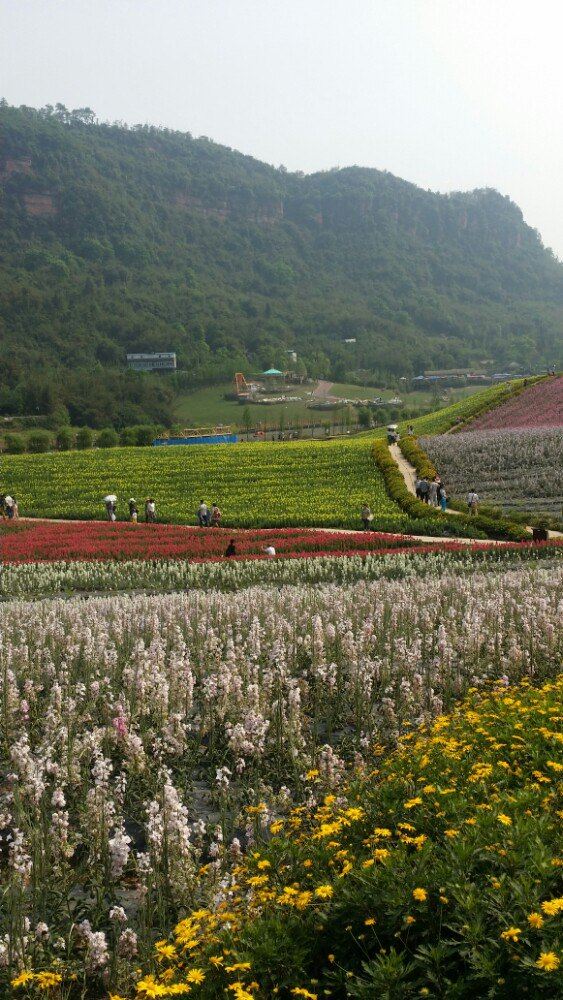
117	239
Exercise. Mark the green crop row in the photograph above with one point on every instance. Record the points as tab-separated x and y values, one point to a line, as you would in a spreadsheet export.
285	483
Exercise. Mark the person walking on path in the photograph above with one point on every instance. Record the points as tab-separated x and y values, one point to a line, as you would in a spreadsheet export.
133	510
423	488
366	516
442	497
150	511
270	551
472	501
203	514
433	494
9	505
3	507
231	549
110	503
15	509
216	516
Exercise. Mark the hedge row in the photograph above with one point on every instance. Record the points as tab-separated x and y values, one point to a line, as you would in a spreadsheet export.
478	526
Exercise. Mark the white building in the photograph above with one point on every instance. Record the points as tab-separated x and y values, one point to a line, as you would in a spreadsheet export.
152	362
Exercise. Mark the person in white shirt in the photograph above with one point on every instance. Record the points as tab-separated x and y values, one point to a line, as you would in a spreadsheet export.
150	510
270	551
472	501
203	514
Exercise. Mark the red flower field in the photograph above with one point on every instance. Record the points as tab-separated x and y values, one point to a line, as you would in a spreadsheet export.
540	405
50	541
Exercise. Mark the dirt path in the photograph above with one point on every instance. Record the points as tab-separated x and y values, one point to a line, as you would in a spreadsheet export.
322	389
408	473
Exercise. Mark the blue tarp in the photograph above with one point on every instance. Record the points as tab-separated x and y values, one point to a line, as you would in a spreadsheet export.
204	439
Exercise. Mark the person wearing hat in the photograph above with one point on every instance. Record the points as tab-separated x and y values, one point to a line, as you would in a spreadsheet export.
133	510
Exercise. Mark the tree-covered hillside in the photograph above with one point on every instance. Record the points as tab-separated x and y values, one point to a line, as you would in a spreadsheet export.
117	239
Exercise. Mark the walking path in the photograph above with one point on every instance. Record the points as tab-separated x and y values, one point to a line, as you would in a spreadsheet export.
408	473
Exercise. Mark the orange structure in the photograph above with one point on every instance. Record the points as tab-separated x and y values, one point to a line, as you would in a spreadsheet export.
241	385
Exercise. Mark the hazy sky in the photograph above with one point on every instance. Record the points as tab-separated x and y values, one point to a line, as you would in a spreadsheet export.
450	94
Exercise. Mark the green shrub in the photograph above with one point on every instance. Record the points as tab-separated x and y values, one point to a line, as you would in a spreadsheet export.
38	442
14	444
64	439
128	437
145	435
107	438
84	438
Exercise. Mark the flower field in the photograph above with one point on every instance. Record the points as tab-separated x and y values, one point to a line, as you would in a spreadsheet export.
151	741
289	483
100	540
403	884
539	405
109	576
516	469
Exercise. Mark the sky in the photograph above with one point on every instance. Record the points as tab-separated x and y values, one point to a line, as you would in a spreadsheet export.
449	94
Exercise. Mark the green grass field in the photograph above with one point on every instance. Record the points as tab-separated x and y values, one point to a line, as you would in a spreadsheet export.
290	483
208	407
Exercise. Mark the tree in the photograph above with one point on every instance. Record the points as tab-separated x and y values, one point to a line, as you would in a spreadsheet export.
364	417
14	444
64	439
107	438
39	441
247	419
84	438
144	435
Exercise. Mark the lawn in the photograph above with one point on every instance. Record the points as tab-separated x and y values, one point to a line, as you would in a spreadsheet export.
208	407
290	483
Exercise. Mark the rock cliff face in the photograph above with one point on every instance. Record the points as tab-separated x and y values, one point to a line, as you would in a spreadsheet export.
40	205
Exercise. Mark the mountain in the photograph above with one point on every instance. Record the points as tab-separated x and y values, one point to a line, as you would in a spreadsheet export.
117	239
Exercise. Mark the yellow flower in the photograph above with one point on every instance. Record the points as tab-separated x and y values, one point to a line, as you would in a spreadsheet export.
410	920
381	853
553	906
444	900
195	976
298	991
505	820
420	895
22	979
324	891
535	920
411	803
45	980
368	863
238	967
165	950
512	934
354	813
264	864
548	961
369	922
